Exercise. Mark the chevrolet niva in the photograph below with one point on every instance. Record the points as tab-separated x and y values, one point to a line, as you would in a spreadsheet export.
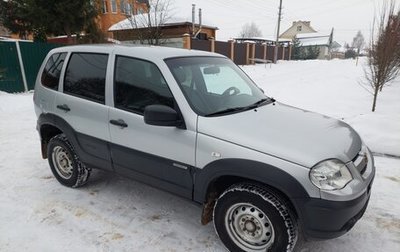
194	124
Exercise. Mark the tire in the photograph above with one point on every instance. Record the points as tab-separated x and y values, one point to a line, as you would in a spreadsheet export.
65	163
251	217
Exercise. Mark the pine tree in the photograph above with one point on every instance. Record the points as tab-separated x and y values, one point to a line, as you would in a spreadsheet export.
296	50
41	17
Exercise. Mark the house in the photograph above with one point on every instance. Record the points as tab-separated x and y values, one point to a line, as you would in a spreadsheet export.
114	11
131	29
323	42
298	27
307	36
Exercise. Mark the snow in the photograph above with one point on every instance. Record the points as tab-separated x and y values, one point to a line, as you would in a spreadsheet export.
112	213
314	41
140	21
311	35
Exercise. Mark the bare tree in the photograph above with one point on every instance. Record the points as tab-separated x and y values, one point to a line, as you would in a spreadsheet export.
383	56
250	30
148	26
358	44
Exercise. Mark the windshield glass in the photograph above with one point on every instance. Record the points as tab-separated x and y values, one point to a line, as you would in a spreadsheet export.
215	86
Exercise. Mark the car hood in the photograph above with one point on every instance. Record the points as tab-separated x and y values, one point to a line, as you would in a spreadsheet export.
286	132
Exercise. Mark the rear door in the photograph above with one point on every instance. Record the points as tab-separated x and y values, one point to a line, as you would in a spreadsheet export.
160	156
81	103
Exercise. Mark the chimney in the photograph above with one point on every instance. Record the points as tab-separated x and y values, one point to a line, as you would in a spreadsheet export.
200	19
193	17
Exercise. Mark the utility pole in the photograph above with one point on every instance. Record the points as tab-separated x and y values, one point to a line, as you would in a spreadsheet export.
277	33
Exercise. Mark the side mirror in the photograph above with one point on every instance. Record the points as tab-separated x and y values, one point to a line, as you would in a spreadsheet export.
160	115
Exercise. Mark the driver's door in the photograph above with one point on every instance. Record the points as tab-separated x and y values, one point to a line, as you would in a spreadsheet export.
160	156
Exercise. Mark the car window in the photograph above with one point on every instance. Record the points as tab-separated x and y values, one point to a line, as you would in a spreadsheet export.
226	77
51	72
139	83
213	85
86	76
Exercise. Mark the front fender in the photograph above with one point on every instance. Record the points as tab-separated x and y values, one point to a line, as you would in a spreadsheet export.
246	169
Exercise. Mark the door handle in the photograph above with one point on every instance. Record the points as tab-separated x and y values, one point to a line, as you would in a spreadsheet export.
64	107
121	123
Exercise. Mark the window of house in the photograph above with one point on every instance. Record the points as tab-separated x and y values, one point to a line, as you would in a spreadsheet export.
51	72
86	76
122	6
104	7
114	6
138	84
128	9
299	28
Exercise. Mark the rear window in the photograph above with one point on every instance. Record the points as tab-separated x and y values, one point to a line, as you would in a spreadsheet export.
85	76
51	73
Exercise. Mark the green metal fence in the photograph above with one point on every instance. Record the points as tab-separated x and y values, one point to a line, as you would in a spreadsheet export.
10	71
19	64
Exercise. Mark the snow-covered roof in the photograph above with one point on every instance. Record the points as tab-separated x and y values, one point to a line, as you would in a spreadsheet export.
314	38
310	35
314	41
140	21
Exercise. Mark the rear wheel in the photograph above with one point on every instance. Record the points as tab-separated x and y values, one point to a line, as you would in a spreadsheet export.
65	163
250	217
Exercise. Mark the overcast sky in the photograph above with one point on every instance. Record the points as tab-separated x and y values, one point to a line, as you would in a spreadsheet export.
345	16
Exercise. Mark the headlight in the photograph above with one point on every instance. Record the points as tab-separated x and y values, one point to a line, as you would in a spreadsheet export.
330	175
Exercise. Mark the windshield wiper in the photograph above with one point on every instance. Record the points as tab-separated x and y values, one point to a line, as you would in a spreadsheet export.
257	104
251	106
226	111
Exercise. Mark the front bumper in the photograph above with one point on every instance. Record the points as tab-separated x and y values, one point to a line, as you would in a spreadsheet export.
325	219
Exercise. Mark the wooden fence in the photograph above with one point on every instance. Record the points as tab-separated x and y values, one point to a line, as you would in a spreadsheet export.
240	53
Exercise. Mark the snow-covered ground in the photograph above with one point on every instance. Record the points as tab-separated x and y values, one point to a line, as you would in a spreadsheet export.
115	214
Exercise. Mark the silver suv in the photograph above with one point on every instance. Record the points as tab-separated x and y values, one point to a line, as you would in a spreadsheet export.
192	123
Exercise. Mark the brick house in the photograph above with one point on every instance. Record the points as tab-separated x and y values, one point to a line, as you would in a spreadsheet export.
172	30
114	11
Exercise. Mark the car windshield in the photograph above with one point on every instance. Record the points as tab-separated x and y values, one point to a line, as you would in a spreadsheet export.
215	86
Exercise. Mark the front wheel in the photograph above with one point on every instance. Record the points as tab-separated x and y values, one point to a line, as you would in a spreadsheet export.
250	217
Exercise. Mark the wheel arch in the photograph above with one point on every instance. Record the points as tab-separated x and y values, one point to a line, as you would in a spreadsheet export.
50	125
216	177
